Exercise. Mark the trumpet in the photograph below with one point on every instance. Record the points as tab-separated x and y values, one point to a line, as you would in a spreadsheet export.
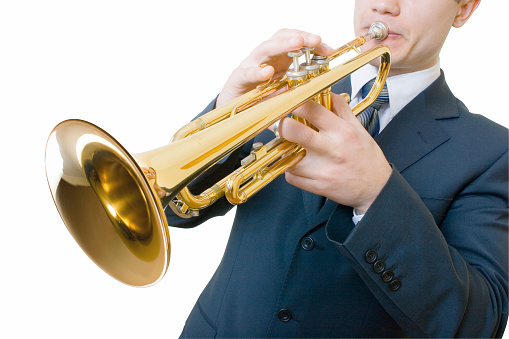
113	202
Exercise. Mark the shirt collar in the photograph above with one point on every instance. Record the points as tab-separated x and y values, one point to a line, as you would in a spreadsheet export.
402	88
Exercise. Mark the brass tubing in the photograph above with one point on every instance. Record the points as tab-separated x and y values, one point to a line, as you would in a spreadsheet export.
204	199
223	112
292	154
237	195
113	202
186	199
244	182
204	148
350	46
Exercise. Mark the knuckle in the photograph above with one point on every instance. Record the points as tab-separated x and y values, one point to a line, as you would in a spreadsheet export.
337	157
313	39
348	134
307	138
316	112
240	75
282	31
259	53
263	45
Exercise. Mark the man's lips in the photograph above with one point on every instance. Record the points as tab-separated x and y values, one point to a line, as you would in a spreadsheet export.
393	34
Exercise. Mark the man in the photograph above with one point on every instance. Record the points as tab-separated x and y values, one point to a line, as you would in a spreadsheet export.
401	235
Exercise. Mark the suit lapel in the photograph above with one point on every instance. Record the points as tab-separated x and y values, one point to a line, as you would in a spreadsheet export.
415	131
318	209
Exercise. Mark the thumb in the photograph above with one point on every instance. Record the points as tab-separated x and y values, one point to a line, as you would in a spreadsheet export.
251	76
242	80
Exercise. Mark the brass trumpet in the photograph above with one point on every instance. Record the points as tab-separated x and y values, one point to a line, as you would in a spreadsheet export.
112	201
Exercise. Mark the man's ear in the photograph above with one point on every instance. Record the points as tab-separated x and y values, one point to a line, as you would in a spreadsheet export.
465	10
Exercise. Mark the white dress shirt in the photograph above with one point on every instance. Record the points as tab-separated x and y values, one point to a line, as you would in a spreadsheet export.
402	89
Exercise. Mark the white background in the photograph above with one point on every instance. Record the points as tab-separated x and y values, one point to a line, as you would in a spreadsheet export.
140	70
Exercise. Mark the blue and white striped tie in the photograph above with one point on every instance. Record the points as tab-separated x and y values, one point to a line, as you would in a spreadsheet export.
369	117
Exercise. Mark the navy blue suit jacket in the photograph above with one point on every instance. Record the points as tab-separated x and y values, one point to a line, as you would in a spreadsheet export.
429	258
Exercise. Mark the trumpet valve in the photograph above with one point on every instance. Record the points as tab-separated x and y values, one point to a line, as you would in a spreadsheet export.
322	62
309	65
296	73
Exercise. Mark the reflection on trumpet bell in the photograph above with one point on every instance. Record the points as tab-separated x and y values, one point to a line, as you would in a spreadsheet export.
113	202
106	203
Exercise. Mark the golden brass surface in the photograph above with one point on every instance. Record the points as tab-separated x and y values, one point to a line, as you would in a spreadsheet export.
107	203
113	202
186	204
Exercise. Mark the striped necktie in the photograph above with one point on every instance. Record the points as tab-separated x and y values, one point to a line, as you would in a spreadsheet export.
369	117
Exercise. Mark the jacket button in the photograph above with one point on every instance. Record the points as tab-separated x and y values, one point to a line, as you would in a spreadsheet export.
307	243
395	285
379	266
284	315
387	276
371	256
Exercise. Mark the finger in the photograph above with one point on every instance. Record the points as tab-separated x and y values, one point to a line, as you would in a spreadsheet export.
323	49
297	180
273	48
244	78
305	177
255	75
297	132
282	42
309	40
341	109
317	115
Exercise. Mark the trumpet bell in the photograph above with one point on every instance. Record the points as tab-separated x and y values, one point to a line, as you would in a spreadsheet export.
112	202
107	203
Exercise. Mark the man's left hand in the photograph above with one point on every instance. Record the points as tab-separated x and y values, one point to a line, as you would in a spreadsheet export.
342	162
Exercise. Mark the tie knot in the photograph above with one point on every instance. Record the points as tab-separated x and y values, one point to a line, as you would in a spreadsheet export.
383	97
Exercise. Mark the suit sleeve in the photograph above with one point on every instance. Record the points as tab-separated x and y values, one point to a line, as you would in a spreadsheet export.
447	280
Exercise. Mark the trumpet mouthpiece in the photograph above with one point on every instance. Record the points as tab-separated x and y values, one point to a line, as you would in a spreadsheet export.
379	30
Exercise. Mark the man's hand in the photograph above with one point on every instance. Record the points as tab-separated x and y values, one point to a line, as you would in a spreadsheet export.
342	162
272	53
